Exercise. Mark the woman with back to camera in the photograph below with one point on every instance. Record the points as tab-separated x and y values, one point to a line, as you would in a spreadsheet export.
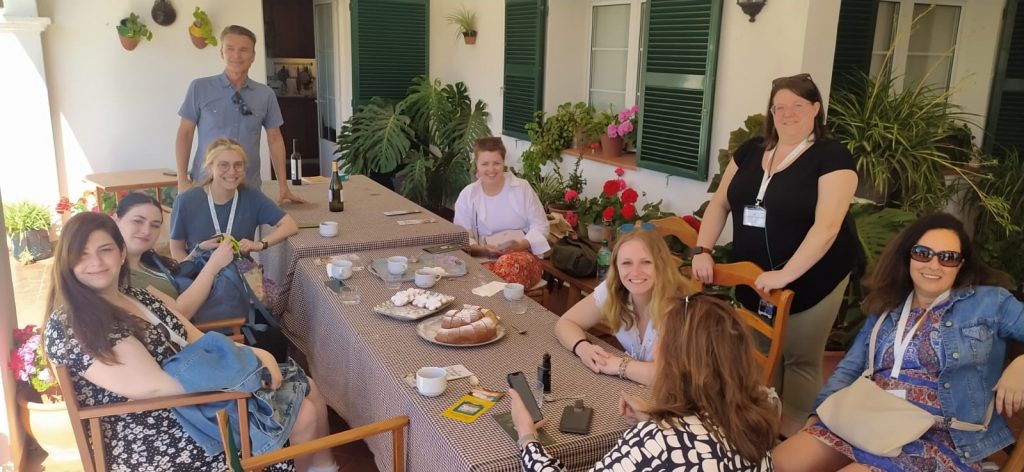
114	338
957	321
641	283
504	217
788	193
140	219
708	410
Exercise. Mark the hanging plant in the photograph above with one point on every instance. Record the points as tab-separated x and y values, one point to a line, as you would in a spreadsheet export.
131	30
201	30
466	21
163	13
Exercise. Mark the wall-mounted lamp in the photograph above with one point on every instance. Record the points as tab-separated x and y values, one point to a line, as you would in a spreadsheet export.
751	7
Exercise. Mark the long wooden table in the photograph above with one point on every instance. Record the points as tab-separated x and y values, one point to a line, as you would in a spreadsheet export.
362	226
358	359
129	180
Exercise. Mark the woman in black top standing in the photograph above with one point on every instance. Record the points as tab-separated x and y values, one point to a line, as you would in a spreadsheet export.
788	193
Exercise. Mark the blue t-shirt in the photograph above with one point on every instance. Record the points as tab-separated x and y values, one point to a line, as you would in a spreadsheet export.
210	104
191	222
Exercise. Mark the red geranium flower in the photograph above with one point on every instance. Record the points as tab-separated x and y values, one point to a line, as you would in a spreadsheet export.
572	218
628	210
629	197
611	188
570	195
608	213
619	171
622	184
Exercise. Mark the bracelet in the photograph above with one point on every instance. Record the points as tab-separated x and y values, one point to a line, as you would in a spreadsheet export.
622	367
527	439
574	346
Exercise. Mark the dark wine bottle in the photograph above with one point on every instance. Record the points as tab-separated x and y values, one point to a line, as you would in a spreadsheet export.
296	161
335	194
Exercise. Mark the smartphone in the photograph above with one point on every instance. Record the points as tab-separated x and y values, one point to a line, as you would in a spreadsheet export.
576	418
517	380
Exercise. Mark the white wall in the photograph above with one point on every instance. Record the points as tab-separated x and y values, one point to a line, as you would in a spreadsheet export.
974	64
118	110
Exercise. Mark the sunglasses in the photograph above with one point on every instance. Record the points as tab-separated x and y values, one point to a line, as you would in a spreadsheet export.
629	227
805	77
242	106
921	253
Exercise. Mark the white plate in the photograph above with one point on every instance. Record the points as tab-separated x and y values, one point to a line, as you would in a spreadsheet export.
427	329
410	312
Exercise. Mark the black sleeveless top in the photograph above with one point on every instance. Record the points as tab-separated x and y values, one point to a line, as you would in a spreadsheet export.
790	202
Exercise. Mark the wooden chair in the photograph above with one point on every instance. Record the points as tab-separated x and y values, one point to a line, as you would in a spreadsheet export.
93	460
745	273
675	226
235	324
258	463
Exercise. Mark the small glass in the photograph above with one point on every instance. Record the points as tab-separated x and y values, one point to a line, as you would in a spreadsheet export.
518	306
349	295
393	281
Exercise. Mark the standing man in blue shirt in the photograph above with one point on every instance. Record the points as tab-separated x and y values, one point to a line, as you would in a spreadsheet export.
234	106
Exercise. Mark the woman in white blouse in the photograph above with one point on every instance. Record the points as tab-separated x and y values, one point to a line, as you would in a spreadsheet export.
504	217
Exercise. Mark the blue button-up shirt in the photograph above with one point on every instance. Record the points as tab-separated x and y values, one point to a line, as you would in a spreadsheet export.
209	105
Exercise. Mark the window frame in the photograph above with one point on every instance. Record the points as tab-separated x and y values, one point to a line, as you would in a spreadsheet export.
901	39
633	52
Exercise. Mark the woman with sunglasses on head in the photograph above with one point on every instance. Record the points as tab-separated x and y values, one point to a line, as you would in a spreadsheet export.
943	324
707	410
641	283
225	205
788	193
114	340
140	219
504	217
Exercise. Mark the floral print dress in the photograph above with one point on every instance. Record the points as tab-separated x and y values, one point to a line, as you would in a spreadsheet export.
919	377
139	442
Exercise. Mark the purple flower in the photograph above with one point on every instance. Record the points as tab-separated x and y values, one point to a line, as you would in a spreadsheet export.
625	128
613	131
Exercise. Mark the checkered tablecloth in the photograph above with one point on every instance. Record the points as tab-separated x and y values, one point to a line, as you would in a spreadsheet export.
362	227
358	359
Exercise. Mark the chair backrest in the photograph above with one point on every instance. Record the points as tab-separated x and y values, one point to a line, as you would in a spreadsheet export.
675	226
745	273
93	459
395	425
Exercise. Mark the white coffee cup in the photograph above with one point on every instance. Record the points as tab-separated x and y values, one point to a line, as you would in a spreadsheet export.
340	269
398	264
328	229
514	291
431	381
426	278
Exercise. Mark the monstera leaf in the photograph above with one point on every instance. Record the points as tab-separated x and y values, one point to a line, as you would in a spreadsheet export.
377	138
877	227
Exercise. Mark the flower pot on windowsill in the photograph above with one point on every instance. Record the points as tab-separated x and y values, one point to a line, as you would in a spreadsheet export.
469	37
560	208
48	424
611	147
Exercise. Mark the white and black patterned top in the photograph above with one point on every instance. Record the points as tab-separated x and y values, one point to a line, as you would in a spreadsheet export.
151	441
685	445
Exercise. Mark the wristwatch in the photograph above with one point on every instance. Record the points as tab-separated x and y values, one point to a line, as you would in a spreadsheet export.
700	250
266	244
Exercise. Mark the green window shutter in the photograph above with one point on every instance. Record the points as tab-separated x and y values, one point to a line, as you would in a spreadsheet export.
680	60
855	37
1005	123
525	26
389	47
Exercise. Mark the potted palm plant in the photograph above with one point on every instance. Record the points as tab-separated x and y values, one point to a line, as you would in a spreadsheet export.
201	30
131	30
28	230
466	21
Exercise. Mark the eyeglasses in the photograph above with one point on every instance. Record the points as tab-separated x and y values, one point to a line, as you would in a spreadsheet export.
795	108
921	253
242	106
629	227
805	77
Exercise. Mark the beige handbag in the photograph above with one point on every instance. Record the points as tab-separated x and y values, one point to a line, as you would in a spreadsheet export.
873	420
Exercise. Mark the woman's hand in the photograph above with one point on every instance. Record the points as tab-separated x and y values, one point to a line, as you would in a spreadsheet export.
593	357
516	246
223	255
771	280
521	418
268	361
210	244
633	408
1010	388
810	422
611	365
703	267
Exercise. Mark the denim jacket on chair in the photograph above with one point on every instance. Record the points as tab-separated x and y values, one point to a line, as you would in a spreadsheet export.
215	363
974	332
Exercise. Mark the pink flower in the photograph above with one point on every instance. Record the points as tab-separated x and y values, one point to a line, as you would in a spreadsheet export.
625	128
628	197
608	213
570	194
572	218
619	171
613	131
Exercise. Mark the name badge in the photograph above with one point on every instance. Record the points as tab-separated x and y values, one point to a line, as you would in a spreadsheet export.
754	216
902	394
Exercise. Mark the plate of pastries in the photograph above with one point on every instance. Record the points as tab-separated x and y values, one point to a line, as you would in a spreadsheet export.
464	327
413	304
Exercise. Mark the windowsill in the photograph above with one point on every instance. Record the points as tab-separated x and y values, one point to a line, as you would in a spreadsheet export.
625	161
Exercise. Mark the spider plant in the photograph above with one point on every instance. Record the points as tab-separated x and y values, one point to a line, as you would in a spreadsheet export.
465	20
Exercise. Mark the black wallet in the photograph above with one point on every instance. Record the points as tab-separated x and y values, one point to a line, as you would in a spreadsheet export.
576	418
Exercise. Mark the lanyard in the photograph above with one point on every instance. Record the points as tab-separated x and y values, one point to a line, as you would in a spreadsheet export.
231	216
768	174
900	344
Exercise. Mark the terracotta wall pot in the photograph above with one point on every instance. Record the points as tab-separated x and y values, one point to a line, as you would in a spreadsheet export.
197	41
129	44
49	425
611	147
469	38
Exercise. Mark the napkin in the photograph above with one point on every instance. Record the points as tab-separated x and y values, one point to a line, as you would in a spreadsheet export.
489	289
436	270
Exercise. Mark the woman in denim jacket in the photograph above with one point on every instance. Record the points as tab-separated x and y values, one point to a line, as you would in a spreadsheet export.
953	363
